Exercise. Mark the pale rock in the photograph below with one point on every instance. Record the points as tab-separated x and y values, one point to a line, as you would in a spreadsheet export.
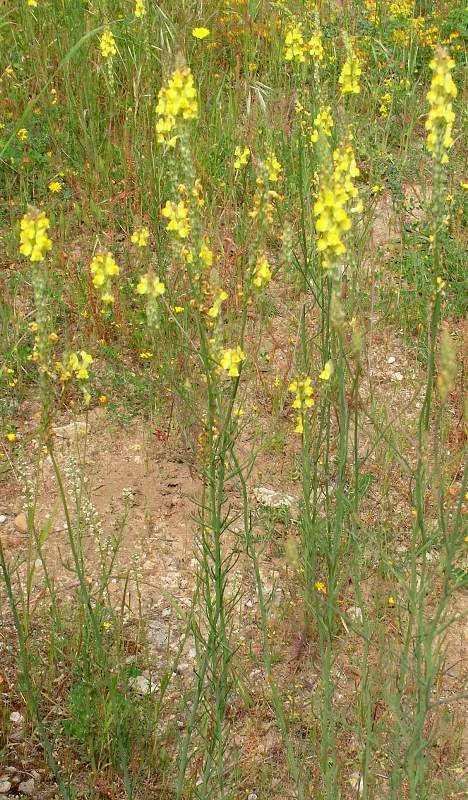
21	523
355	613
271	498
5	787
27	787
75	430
142	685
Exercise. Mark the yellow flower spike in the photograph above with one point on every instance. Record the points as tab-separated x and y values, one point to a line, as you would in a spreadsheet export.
327	371
242	156
441	117
350	75
177	103
273	167
295	48
140	237
200	33
107	44
215	309
178	216
79	363
262	272
303	390
323	123
140	9
206	255
231	359
150	285
34	242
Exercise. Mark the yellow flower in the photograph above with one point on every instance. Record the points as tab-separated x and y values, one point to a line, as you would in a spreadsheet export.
315	46
34	242
103	268
206	255
11	437
178	218
150	285
262	272
55	186
323	123
140	237
391	601
294	44
320	587
333	204
242	155
231	359
32	3
200	33
23	134
107	44
303	390
273	167
79	363
102	399
177	102
219	299
327	371
140	9
441	117
350	74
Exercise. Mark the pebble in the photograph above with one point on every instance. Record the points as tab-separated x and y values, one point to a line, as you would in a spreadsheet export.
5	787
21	523
16	718
3	518
27	787
142	685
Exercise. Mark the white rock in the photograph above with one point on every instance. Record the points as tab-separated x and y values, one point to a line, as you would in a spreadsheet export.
16	718
271	498
142	685
391	360
3	518
27	787
355	613
5	787
21	523
75	430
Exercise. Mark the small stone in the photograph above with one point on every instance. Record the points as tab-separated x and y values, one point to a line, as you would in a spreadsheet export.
391	360
355	613
21	523
16	718
27	787
397	376
142	685
252	796
5	787
3	518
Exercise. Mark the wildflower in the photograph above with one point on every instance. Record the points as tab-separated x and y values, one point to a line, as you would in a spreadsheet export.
327	371
320	587
79	363
304	398
32	3
140	237
333	203
350	74
294	44
53	338
150	285
200	33
11	437
377	188
273	167
140	9
441	117
315	46
107	44
220	298
177	101
103	268
55	187
178	218
34	242
23	135
391	601
262	272
205	254
323	123
102	399
242	155
146	354
231	359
